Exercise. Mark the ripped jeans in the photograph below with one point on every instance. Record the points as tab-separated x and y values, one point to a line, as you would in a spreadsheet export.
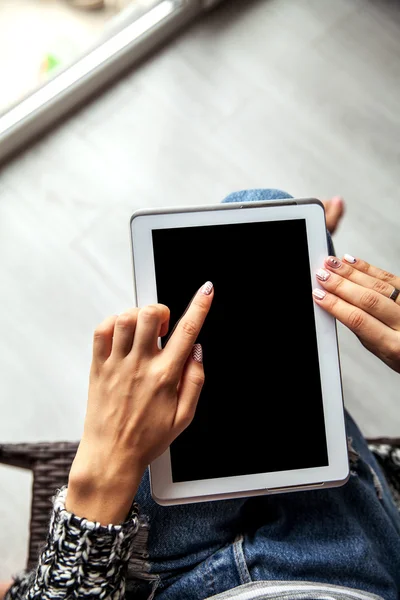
348	536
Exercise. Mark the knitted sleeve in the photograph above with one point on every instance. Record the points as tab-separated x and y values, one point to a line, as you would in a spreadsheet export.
81	559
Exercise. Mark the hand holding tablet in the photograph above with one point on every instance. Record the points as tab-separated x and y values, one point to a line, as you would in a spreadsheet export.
141	398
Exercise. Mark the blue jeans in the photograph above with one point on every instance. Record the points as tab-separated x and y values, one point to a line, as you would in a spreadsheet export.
347	536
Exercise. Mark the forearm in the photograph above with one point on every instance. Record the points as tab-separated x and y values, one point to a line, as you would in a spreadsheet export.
102	484
80	555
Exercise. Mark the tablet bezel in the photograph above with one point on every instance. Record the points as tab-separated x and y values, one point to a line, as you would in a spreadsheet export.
164	490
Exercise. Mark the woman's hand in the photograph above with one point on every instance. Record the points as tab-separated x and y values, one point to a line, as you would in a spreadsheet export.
140	399
358	295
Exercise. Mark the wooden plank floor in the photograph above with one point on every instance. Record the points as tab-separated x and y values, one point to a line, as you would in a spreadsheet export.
303	96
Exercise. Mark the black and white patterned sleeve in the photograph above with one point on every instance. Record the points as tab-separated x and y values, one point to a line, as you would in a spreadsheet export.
82	559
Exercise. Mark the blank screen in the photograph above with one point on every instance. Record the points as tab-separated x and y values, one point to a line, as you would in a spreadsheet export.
260	409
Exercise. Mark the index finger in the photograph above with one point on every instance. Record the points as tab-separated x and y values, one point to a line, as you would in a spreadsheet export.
364	267
181	342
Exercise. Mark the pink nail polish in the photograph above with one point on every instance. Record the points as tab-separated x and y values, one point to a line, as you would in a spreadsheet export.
197	353
207	288
349	258
319	294
333	262
322	274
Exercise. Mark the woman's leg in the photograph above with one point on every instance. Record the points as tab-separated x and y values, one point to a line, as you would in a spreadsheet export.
4	587
334	208
257	195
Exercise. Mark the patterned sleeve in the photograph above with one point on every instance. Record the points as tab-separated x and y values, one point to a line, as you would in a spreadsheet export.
82	559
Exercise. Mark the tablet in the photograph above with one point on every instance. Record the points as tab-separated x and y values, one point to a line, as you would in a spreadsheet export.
270	416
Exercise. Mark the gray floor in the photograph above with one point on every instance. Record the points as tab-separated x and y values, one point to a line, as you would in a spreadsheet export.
303	95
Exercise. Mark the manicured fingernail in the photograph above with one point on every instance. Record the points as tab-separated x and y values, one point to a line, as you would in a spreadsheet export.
322	274
197	353
333	262
207	288
319	294
349	258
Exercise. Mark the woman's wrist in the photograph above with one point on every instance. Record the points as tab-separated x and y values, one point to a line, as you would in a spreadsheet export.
98	503
102	488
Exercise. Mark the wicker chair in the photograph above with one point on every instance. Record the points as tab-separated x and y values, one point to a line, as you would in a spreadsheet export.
50	463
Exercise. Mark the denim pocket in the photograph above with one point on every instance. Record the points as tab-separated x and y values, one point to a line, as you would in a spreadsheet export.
240	560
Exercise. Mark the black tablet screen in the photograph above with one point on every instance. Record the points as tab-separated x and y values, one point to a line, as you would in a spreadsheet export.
261	407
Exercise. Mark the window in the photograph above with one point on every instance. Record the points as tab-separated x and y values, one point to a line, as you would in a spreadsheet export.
140	26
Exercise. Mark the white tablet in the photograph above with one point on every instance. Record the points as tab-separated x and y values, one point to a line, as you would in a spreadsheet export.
270	416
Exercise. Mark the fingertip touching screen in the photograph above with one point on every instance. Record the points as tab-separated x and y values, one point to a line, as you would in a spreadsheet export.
261	407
